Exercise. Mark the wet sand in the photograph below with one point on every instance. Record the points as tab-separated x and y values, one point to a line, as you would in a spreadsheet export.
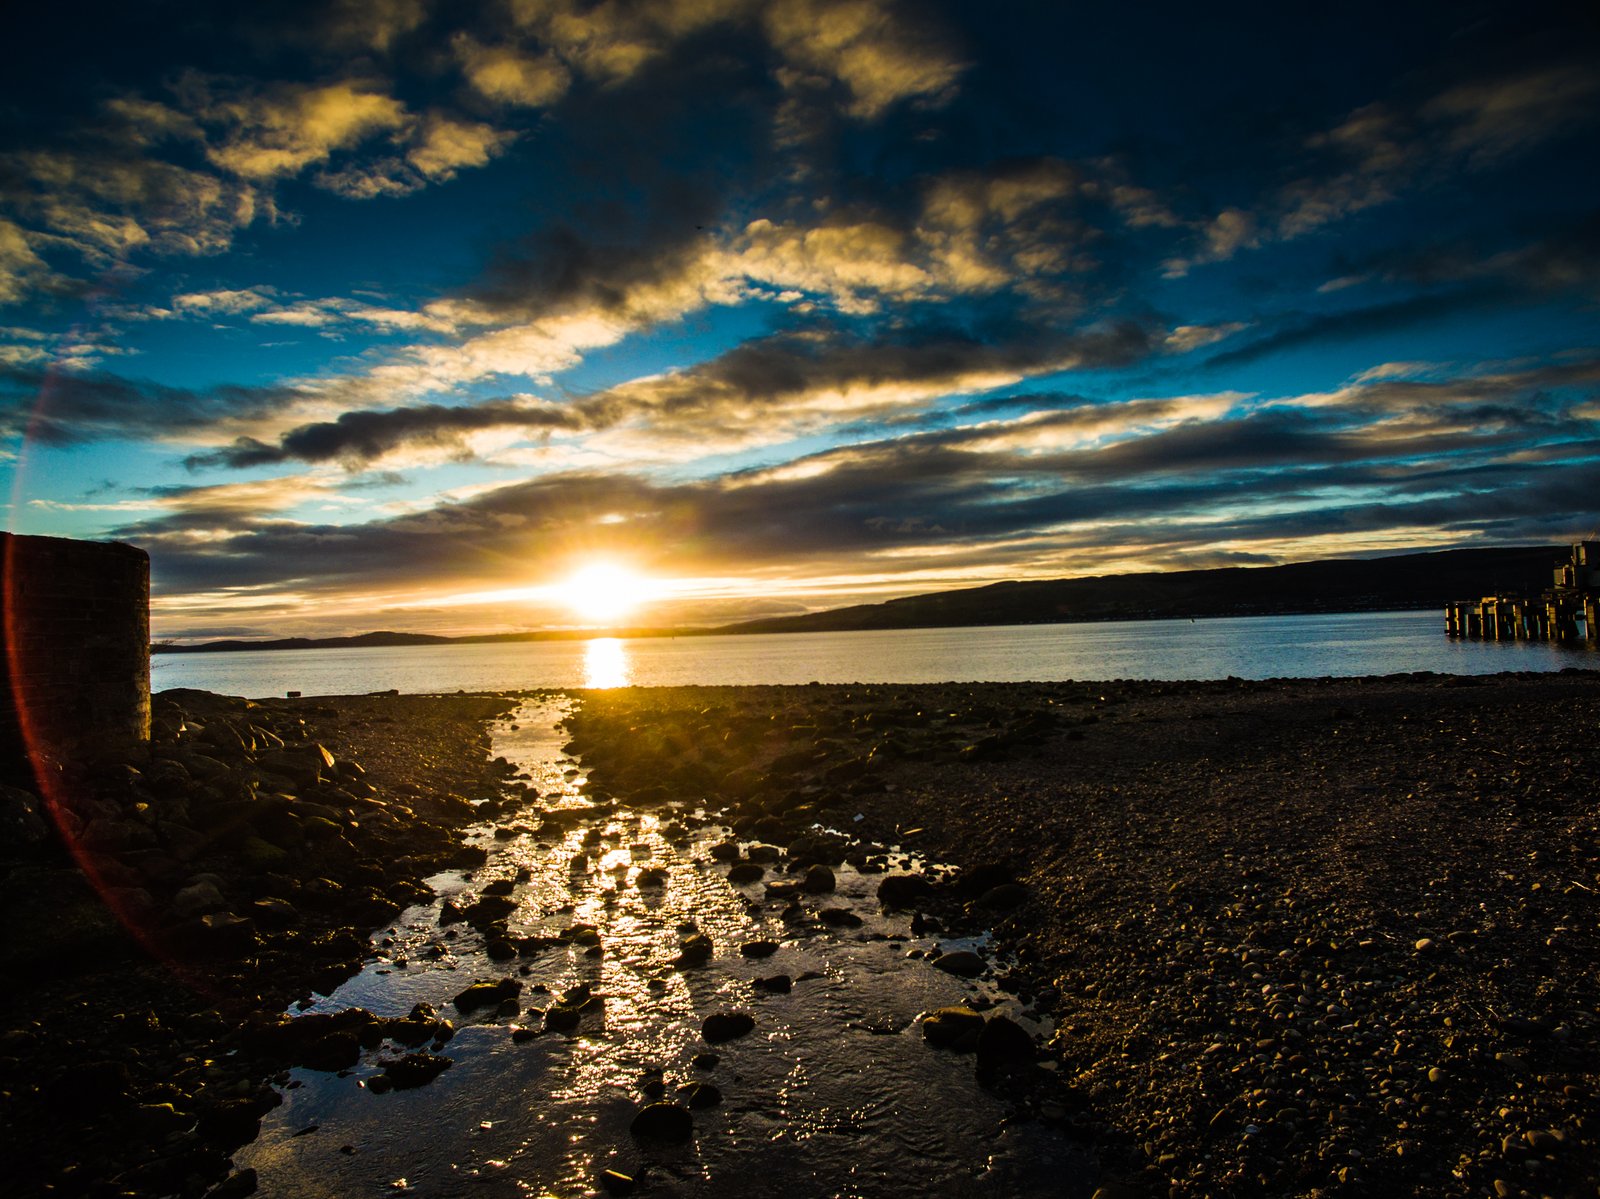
1322	937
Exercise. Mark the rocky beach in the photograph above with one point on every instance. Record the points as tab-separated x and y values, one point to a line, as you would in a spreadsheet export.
1314	937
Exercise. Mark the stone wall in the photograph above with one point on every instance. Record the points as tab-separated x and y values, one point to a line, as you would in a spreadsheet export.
77	646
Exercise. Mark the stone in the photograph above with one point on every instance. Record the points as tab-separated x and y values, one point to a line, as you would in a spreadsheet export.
701	1094
963	963
663	1122
563	1017
759	949
839	918
746	872
726	1026
1004	1042
615	1182
197	899
955	1028
487	994
652	876
778	984
903	890
1006	897
415	1069
694	950
819	879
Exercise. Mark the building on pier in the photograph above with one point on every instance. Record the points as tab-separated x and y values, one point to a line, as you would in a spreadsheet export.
1568	612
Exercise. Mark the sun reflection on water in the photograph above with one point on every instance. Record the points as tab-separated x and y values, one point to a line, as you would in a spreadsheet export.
605	663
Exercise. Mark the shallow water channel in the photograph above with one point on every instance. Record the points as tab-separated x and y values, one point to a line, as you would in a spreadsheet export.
834	1092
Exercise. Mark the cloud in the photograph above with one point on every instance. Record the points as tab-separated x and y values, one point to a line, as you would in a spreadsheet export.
360	438
446	146
20	268
284	128
63	408
1386	149
881	55
507	74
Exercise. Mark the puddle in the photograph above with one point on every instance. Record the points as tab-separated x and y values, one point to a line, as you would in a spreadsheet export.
834	1091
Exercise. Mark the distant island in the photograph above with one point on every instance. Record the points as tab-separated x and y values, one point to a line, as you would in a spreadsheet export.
1406	581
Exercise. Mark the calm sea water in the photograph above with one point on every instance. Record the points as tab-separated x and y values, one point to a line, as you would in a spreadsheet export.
1261	647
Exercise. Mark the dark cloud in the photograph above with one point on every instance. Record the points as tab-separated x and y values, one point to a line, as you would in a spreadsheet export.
64	408
1294	331
359	437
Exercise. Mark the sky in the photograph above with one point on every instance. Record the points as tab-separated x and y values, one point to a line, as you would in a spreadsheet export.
405	314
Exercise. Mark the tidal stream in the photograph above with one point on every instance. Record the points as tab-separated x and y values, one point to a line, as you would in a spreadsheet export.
833	1092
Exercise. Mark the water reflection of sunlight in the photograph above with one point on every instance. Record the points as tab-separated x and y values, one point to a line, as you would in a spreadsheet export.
605	663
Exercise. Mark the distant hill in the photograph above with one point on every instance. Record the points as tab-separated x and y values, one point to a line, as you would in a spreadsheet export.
1335	585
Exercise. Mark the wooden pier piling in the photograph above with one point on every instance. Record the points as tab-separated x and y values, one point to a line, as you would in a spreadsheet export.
1567	614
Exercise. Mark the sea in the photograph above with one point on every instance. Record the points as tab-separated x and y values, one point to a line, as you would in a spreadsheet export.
1254	647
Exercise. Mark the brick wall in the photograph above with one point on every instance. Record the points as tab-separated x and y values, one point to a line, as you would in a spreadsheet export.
77	645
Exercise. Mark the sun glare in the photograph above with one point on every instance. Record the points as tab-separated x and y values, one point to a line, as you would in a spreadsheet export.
602	592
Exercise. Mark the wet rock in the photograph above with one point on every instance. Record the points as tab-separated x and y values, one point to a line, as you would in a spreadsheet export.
336	1051
232	1122
563	1017
963	963
415	1069
778	984
746	872
487	994
839	918
1004	1042
903	890
1007	897
705	1061
819	880
653	876
759	949
701	1095
489	909
726	1026
955	1028
724	851
694	950
663	1122
614	1182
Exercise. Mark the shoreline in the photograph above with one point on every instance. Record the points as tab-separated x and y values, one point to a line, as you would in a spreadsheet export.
1297	937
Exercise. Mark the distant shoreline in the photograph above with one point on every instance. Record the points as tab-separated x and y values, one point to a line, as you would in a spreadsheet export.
1402	583
387	640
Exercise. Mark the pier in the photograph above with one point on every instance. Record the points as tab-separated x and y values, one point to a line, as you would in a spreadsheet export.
1568	612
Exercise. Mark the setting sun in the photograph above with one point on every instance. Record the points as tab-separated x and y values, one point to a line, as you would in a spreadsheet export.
602	592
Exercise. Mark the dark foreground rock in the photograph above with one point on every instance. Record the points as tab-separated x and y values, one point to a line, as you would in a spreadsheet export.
179	902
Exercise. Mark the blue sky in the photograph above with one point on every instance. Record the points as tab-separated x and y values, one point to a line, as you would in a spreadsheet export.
397	314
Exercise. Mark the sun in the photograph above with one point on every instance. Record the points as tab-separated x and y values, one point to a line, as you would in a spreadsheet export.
602	592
